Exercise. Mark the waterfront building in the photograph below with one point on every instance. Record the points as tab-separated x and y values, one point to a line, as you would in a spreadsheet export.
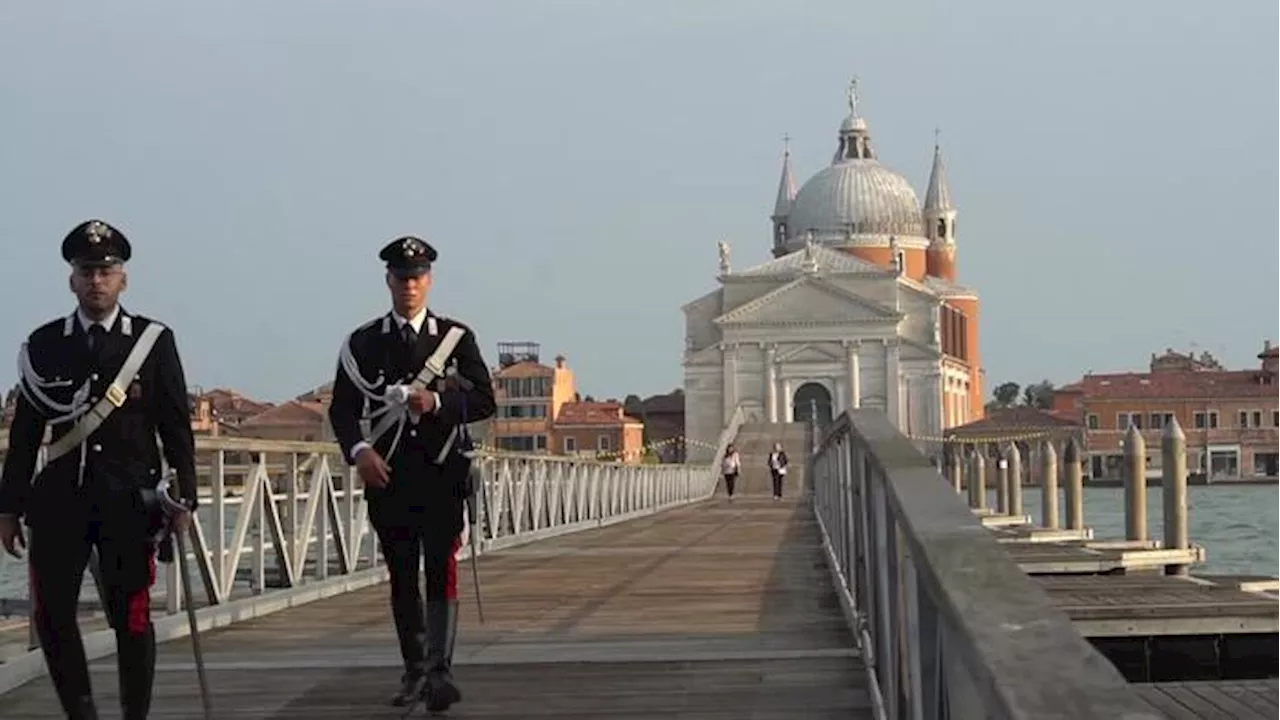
1231	417
858	308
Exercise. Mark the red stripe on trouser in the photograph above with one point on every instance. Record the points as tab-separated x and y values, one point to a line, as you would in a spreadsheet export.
451	570
139	606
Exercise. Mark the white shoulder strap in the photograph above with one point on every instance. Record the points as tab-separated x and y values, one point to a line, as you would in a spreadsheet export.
114	396
432	369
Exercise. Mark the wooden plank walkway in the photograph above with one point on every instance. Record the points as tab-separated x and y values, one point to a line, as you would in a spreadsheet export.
1222	700
722	610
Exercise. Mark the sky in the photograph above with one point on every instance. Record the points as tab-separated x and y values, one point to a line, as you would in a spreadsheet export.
575	162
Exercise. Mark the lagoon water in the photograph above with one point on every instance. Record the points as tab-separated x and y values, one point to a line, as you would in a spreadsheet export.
1237	524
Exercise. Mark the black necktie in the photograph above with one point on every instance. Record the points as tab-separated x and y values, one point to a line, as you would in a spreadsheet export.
409	335
96	334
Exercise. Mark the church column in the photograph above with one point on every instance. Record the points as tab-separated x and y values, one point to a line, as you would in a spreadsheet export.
730	380
936	400
771	383
893	382
787	405
855	373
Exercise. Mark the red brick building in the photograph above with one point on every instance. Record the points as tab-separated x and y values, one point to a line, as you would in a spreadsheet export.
1231	417
598	429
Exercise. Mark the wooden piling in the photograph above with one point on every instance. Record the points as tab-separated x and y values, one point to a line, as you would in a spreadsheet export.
1173	450
1048	485
1015	480
956	468
977	481
1074	485
1135	485
1002	486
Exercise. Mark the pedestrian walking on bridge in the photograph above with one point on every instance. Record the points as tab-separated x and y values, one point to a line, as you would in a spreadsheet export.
106	382
730	467
777	469
422	379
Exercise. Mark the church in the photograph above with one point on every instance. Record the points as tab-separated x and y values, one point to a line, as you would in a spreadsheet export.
859	307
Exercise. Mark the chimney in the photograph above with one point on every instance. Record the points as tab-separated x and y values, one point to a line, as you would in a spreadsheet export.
559	362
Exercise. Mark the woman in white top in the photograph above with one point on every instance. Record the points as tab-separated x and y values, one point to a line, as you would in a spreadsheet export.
730	467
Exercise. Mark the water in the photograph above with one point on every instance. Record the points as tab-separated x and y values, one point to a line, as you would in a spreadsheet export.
1237	524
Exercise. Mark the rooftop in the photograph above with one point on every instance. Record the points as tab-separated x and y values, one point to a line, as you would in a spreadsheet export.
593	413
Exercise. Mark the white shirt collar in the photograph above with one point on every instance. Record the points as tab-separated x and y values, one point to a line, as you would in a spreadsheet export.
416	321
107	322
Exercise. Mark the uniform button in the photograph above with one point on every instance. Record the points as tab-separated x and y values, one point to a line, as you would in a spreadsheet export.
93	399
97	448
413	433
93	376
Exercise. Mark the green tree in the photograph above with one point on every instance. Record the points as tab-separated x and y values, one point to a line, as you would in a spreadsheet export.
1039	395
1006	394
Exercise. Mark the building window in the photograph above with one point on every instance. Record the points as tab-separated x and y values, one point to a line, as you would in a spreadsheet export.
1124	420
1275	418
1161	420
1205	420
602	443
520	443
540	441
1091	421
518	411
570	445
1257	418
525	387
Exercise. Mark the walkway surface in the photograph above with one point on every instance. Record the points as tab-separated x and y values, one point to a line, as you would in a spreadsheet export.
720	610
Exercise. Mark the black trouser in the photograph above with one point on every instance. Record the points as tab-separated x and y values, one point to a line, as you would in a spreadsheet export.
730	480
777	482
404	545
126	557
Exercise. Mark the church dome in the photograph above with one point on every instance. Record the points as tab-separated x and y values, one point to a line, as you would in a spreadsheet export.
856	200
858	196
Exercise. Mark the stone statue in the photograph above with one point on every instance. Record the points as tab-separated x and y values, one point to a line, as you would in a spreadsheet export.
937	325
895	255
810	257
723	248
852	94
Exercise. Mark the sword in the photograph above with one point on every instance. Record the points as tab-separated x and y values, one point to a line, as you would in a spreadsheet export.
195	631
171	506
473	515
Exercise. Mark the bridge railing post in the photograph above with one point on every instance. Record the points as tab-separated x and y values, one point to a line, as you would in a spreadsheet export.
940	612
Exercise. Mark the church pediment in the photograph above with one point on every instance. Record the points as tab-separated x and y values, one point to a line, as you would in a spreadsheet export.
825	260
811	353
809	301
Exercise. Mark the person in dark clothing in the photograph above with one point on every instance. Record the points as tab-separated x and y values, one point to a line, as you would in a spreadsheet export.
777	469
106	382
422	378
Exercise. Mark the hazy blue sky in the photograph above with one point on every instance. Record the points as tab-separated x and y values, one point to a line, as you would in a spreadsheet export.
575	163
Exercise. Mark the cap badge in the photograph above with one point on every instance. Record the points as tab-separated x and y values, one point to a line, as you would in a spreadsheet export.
97	232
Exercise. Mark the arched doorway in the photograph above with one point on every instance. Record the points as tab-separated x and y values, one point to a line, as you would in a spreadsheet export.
812	400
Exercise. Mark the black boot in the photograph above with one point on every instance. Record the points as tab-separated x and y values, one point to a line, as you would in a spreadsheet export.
413	685
83	709
442	629
136	661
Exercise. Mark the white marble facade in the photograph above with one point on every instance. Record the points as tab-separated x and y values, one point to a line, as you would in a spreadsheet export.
818	325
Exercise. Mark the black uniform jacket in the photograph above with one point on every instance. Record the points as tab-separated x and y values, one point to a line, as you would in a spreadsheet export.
417	482
122	454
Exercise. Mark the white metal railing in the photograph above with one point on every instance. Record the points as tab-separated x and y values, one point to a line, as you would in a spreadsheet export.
948	625
298	512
